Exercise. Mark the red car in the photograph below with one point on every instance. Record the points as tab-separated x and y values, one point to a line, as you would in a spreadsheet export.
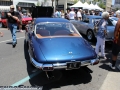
25	20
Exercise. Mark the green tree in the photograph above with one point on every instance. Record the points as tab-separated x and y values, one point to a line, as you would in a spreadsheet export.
75	1
102	5
38	3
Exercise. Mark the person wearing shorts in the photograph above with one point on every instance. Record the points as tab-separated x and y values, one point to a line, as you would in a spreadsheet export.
116	43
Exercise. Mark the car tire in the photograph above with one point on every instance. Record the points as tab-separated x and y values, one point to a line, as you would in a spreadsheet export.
3	26
90	35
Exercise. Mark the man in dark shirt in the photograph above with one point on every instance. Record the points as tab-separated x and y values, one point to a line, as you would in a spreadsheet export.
12	20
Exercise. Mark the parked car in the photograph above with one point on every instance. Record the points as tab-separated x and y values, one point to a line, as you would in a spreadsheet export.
24	20
87	25
54	44
114	20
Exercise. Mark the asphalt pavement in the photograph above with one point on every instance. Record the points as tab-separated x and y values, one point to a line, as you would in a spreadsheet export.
15	70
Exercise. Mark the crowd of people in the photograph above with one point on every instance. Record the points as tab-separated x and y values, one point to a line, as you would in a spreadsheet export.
13	18
102	29
78	14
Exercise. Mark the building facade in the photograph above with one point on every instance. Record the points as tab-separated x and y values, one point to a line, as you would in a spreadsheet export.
108	5
25	4
5	2
104	2
116	4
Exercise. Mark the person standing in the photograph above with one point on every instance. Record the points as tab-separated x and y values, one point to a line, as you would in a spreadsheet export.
102	32
12	19
20	17
62	14
67	14
116	43
56	14
72	15
79	16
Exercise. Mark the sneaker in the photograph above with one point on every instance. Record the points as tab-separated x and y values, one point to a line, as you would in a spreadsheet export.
110	65
103	57
118	67
14	45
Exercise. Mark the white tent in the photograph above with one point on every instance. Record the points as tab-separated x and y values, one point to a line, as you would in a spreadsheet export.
91	6
78	4
86	6
97	7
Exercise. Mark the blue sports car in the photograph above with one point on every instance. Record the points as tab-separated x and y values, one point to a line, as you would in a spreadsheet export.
54	44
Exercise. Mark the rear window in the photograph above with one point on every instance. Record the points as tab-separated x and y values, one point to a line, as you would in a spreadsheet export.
56	29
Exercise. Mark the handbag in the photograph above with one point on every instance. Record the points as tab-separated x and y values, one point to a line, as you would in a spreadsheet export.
96	26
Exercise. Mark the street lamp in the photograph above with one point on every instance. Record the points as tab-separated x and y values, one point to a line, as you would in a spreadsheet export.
52	2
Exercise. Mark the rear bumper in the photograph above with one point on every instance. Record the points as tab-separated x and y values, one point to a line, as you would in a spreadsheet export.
109	39
58	66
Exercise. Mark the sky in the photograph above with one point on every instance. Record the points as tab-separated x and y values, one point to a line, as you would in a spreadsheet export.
113	2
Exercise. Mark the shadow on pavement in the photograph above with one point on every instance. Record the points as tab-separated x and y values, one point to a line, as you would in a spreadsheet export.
105	63
9	43
62	78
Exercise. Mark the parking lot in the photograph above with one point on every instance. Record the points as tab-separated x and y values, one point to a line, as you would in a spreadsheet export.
15	70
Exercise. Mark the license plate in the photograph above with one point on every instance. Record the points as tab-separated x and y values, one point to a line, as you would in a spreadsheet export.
73	65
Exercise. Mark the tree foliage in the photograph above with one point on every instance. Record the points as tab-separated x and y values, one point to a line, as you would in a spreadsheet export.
38	3
102	5
75	1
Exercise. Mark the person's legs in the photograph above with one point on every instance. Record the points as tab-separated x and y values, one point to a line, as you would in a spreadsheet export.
97	45
14	34
1	34
20	27
102	42
115	52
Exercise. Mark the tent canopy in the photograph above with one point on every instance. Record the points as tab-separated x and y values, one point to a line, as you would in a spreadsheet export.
97	7
86	6
78	4
91	6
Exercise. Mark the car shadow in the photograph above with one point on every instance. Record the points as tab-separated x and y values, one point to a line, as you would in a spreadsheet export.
62	77
105	63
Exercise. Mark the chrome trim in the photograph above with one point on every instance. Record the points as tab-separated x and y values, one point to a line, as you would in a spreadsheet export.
36	64
60	65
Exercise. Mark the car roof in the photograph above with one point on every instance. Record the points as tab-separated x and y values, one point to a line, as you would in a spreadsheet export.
94	16
38	20
112	17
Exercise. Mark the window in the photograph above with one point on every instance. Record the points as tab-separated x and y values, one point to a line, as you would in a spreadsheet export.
109	23
56	29
86	20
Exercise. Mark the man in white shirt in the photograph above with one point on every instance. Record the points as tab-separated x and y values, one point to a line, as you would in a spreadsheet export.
72	15
79	16
56	14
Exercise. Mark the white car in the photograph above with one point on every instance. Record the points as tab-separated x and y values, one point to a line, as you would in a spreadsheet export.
113	20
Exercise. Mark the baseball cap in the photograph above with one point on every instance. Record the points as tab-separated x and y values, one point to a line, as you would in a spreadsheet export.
11	6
